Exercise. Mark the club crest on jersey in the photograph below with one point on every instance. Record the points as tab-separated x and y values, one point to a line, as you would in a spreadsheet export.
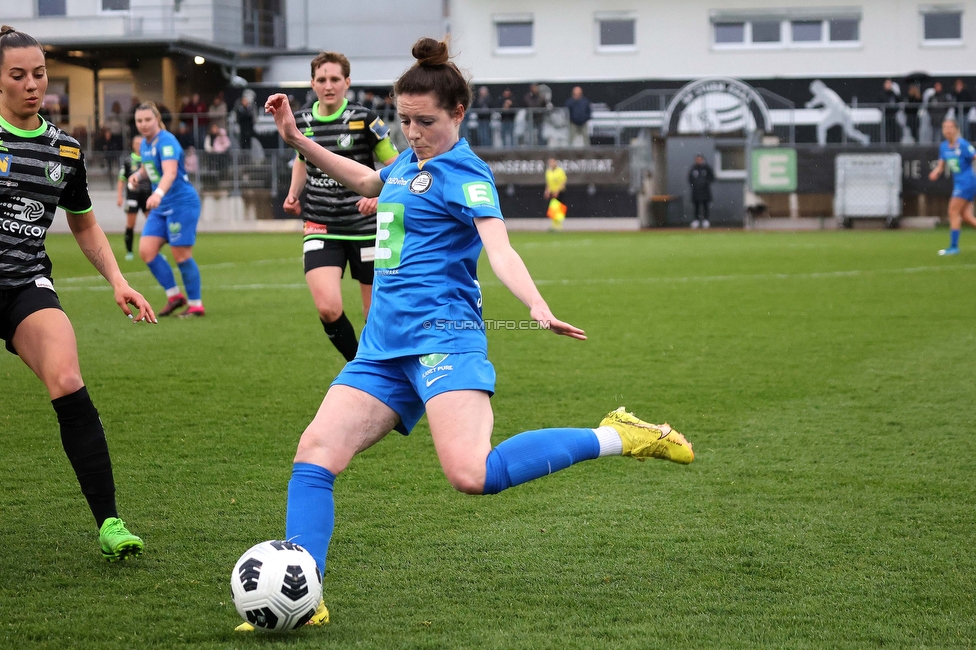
344	140
5	165
421	183
54	172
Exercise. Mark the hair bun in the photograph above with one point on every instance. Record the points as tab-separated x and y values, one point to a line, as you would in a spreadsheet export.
429	52
6	29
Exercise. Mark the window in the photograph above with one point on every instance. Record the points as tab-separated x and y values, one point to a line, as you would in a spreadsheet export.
51	8
730	161
730	32
799	30
514	35
942	26
617	32
115	5
766	31
807	31
843	30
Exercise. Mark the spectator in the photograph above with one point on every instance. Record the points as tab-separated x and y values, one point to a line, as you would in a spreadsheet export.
937	103
891	98
216	140
535	102
508	119
184	136
218	111
913	102
482	106
109	147
244	114
165	116
130	122
700	177
579	116
194	112
963	99
115	121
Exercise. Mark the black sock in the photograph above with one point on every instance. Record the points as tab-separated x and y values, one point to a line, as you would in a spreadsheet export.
84	442
343	336
128	239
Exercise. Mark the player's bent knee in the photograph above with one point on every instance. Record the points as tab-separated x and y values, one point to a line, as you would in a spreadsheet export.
466	482
329	311
65	383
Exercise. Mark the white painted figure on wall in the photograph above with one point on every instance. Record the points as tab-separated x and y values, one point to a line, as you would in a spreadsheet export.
836	112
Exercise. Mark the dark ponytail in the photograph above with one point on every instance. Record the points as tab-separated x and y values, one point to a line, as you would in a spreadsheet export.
11	39
434	73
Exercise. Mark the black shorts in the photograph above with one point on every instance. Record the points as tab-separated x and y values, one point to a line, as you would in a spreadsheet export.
136	201
17	304
335	252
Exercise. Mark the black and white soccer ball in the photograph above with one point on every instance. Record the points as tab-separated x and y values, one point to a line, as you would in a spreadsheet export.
276	586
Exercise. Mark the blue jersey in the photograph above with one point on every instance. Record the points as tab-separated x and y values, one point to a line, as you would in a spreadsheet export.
959	160
166	147
426	296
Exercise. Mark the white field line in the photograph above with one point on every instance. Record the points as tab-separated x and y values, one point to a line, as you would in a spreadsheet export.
60	283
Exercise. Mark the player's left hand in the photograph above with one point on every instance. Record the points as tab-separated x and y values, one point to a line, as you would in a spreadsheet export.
366	206
125	296
152	202
543	316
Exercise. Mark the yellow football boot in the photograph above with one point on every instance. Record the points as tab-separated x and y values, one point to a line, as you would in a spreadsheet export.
645	440
320	617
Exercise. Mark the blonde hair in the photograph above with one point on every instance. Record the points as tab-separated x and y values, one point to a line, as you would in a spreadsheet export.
150	106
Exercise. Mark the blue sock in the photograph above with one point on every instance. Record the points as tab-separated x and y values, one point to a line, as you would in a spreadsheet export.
311	510
953	239
534	454
161	271
191	278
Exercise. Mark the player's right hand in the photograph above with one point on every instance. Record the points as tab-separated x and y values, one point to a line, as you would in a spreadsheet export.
292	205
278	106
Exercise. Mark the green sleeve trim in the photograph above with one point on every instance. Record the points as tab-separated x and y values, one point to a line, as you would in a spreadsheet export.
342	237
384	150
85	211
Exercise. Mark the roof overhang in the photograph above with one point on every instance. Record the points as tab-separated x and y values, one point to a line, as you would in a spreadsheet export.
94	52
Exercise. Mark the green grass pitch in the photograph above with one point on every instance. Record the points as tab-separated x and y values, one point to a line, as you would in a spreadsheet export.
826	380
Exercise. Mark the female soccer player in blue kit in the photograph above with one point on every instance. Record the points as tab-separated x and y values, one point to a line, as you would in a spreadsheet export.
424	346
174	210
958	154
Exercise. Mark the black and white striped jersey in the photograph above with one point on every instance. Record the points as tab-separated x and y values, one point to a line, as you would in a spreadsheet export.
354	132
40	170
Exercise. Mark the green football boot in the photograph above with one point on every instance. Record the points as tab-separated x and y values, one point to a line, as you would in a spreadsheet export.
117	542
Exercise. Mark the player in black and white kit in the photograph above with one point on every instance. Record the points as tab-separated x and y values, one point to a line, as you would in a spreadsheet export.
41	169
340	225
133	197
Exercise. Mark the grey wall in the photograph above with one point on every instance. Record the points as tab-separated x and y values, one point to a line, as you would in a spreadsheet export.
727	204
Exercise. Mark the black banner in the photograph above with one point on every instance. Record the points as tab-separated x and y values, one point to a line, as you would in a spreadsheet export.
607	166
815	169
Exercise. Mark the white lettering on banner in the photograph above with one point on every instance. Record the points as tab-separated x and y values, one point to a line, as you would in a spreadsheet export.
772	170
580	166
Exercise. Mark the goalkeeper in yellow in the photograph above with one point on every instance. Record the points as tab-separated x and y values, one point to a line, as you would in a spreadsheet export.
555	184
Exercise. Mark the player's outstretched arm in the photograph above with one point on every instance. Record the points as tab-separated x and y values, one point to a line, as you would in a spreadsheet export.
510	269
93	243
361	179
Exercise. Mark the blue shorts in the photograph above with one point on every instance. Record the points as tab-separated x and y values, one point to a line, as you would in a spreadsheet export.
406	383
967	191
175	222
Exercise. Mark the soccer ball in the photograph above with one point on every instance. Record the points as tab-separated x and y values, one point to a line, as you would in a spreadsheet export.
276	586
